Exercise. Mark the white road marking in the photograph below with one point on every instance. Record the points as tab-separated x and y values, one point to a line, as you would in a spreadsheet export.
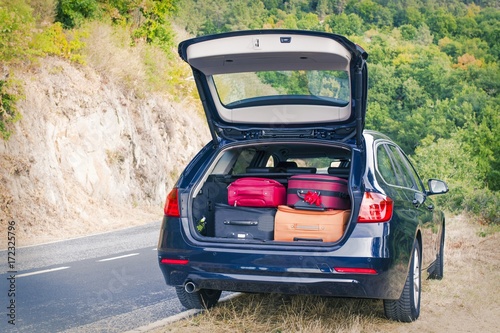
42	272
119	257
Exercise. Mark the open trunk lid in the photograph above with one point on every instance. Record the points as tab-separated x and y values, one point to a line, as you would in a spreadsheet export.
280	83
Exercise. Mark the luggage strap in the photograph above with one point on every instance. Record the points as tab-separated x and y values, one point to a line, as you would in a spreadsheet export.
301	193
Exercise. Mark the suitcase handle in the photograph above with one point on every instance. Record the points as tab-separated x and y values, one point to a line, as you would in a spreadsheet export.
242	222
307	227
298	239
301	193
313	198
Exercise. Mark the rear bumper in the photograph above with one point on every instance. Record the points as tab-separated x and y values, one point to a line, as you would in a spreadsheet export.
273	284
314	276
287	270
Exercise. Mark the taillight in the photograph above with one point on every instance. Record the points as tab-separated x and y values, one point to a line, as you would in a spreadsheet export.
172	204
375	207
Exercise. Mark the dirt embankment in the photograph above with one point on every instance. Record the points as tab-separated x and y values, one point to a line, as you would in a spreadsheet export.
88	156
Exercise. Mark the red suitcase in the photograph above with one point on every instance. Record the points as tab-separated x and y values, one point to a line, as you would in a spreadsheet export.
318	192
256	192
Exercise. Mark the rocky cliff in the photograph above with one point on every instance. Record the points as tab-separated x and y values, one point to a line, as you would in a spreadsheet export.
89	156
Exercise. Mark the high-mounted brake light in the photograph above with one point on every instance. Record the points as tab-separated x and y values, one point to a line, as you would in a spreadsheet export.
375	207
171	208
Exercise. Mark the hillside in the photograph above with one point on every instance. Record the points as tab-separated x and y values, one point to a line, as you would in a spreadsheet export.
88	155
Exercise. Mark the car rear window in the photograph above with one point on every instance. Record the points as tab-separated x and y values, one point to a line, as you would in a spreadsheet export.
324	87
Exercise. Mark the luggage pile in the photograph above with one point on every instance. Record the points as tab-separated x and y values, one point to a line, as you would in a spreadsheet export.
311	208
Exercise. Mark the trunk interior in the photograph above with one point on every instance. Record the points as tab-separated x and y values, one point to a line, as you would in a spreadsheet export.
280	192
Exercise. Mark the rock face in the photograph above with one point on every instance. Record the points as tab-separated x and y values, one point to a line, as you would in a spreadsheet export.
88	157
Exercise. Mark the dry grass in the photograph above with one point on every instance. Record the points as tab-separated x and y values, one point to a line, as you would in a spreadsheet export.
466	300
108	51
140	68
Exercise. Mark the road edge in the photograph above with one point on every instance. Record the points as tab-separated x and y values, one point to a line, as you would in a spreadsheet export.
177	317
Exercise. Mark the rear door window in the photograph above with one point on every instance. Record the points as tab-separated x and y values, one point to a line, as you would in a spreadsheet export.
385	166
408	173
395	169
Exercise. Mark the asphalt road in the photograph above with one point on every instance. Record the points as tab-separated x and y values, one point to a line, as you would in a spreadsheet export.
104	283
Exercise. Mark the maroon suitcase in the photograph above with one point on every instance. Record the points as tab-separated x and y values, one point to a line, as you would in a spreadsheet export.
318	192
256	192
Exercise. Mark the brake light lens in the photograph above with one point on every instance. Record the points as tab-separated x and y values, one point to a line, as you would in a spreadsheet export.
375	208
171	208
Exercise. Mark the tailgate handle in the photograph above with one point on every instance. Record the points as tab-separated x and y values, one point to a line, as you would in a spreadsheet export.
299	239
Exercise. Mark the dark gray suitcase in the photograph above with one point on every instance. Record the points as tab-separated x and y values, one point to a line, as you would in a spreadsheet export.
244	222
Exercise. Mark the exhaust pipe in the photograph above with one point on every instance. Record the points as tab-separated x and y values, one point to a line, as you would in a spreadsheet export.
190	287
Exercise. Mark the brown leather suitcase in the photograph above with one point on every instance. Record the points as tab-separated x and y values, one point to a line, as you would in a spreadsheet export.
308	225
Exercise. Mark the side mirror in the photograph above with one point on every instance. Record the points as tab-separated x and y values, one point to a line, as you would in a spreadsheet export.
437	186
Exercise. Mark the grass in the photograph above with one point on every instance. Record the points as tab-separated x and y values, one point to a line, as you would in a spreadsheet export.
466	300
284	313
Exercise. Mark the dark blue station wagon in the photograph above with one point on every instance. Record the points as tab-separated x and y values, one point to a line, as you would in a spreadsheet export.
280	103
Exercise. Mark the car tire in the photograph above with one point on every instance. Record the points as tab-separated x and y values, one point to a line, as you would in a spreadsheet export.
438	269
407	307
200	299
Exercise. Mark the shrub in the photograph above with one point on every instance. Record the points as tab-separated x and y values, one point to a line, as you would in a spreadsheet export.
16	25
447	159
9	94
155	29
484	203
66	44
73	13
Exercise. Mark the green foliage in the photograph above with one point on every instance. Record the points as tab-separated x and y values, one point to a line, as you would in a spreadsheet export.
371	12
156	29
16	24
344	24
73	13
120	11
9	94
483	203
66	44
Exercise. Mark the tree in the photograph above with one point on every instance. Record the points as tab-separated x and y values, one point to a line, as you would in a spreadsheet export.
371	12
344	24
73	13
156	28
310	21
441	24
